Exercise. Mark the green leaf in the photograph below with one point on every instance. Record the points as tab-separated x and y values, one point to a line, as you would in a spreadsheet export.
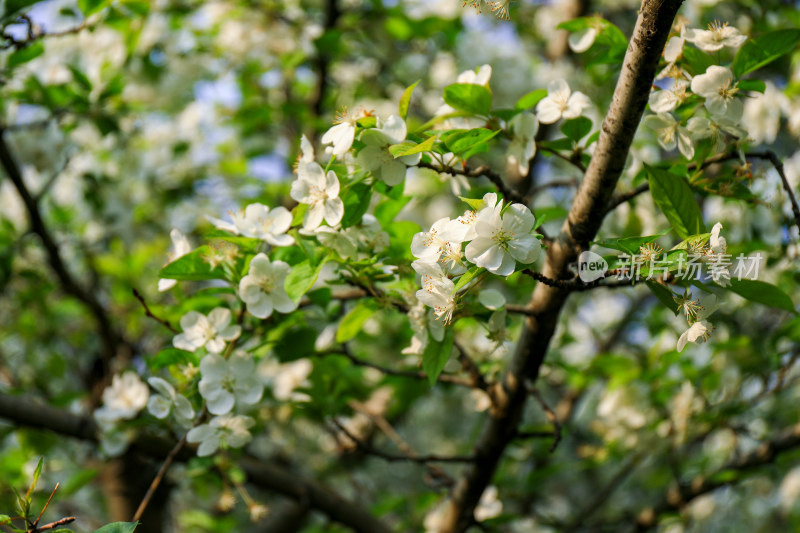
356	202
469	97
460	141
475	203
353	321
466	277
23	55
696	61
436	355
410	148
4	519
577	128
36	474
765	49
301	278
531	99
90	7
192	267
118	527
663	294
171	356
753	85
405	99
13	7
674	197
763	293
629	245
298	213
80	78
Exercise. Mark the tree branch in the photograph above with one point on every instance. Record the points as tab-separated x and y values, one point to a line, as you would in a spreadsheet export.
677	497
482	171
585	217
110	338
271	476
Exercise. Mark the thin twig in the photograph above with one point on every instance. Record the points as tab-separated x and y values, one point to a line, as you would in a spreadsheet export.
551	416
173	453
52	525
344	351
575	161
366	448
36	522
150	314
482	171
577	284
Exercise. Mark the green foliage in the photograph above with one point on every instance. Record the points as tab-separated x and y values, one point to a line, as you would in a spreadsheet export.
674	197
763	293
118	527
763	50
353	321
436	355
469	97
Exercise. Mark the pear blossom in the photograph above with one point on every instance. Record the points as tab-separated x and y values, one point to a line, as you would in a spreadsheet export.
671	133
583	39
717	36
370	234
429	245
561	102
168	399
259	222
489	506
262	288
667	100
376	158
339	240
123	399
306	154
289	377
719	90
462	229
714	128
672	52
697	311
180	247
423	327
438	295
341	135
226	382
503	239
209	331
320	192
762	114
524	127
232	430
716	255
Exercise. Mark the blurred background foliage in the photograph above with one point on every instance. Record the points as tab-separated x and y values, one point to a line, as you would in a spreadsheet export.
130	118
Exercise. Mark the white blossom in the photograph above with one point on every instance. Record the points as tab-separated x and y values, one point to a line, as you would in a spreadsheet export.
666	100
430	246
561	102
168	399
491	299
503	239
671	133
717	36
524	127
697	311
583	39
228	382
718	250
209	331
320	192
341	135
376	158
262	288
232	430
437	293
489	506
259	222
719	90
762	114
289	377
123	399
180	247
714	128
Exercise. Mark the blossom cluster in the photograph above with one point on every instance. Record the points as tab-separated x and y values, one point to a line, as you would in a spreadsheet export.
717	87
493	238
